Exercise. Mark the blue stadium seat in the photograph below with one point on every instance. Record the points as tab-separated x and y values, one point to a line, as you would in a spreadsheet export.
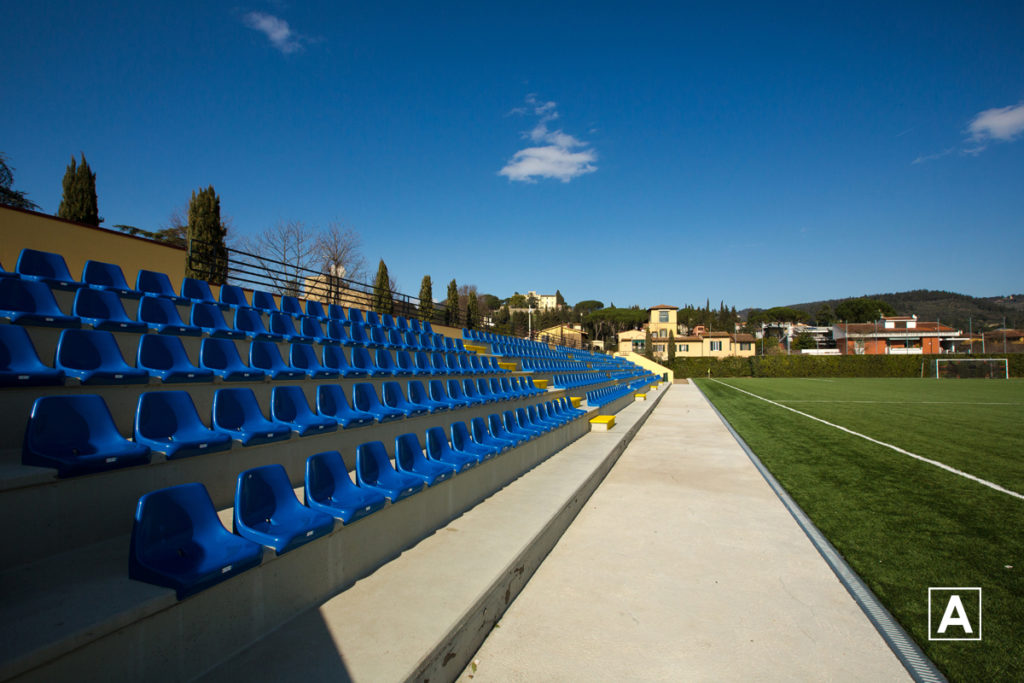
517	426
330	489
249	322
221	356
264	301
355	316
409	459
401	323
20	365
550	416
237	413
478	365
414	325
427	327
197	291
497	390
303	357
469	388
362	361
167	422
374	471
412	341
331	402
288	406
394	398
266	356
103	310
164	357
483	387
178	541
440	394
395	339
437	360
316	309
334	359
374	337
532	418
404	364
466	364
93	357
506	386
463	442
499	430
357	333
233	296
419	396
27	302
100	275
452	363
46	267
338	334
423	364
158	284
457	394
364	398
482	435
76	435
267	511
337	312
210	320
282	325
311	328
384	360
387	322
161	315
372	319
439	449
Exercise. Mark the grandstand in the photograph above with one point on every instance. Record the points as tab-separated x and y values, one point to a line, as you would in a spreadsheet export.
187	471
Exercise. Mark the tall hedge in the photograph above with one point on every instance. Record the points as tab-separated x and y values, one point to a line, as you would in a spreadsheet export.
826	366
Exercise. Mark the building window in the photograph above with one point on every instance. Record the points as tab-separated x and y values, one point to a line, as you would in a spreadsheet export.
744	346
663	333
682	347
716	346
660	348
662	316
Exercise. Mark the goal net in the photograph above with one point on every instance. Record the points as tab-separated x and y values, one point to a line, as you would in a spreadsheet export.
979	368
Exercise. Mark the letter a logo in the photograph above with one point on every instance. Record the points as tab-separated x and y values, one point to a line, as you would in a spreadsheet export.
961	613
955	616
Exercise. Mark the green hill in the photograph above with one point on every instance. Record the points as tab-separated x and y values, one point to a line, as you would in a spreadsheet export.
950	308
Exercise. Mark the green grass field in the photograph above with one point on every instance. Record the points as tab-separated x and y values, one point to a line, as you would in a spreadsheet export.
903	524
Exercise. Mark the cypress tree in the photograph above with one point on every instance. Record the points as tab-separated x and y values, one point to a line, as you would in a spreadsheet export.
671	347
471	312
78	201
207	257
648	345
426	298
451	305
382	299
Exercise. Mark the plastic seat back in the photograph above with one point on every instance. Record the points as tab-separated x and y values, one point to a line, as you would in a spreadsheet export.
197	291
222	357
165	357
402	323
372	319
155	282
266	356
315	309
100	275
364	398
414	325
264	301
162	314
179	542
291	305
267	511
355	316
330	489
373	468
337	312
28	302
168	422
288	405
46	267
387	321
94	357
209	318
76	435
409	459
363	362
19	362
233	296
103	310
303	357
385	362
249	321
282	325
331	402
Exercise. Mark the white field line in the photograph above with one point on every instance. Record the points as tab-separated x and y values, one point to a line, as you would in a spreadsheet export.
915	456
902	403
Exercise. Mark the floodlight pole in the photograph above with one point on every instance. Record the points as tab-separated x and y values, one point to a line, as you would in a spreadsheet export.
1004	334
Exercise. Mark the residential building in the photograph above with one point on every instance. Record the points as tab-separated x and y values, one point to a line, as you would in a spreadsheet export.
894	335
565	334
545	302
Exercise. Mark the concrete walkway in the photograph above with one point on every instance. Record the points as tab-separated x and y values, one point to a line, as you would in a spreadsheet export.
684	565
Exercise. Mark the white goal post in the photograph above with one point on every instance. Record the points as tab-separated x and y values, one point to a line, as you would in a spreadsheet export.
991	368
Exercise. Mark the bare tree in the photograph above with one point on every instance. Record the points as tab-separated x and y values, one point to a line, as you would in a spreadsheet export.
282	257
339	259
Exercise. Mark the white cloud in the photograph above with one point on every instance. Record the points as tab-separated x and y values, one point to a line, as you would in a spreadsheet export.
277	31
1003	124
932	157
556	154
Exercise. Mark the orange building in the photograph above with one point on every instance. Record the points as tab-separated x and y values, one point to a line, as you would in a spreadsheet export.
895	335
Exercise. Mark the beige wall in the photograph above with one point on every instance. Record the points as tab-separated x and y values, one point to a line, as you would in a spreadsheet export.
79	243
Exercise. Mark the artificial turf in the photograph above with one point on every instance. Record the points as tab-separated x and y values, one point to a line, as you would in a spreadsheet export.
902	524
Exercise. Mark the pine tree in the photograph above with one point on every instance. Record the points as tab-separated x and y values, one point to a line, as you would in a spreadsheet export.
671	347
426	311
559	299
8	195
451	306
78	202
207	257
648	345
382	298
471	310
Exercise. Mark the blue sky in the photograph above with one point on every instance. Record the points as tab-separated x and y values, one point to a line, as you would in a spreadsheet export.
635	153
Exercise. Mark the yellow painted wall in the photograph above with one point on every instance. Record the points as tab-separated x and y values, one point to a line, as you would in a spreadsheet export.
79	243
